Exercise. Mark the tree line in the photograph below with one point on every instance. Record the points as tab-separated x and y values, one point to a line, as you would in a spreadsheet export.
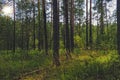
45	25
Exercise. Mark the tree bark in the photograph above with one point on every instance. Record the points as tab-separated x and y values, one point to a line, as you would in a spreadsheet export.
118	26
67	36
55	34
45	28
90	34
40	32
34	25
14	41
72	26
87	39
102	17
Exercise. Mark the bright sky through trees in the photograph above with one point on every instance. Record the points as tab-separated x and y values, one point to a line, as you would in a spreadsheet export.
7	10
111	6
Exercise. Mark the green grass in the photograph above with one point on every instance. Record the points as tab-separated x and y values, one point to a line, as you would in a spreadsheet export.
95	65
14	64
84	65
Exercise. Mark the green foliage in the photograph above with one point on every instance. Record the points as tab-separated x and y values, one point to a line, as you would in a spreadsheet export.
61	45
103	68
107	40
15	64
78	41
91	66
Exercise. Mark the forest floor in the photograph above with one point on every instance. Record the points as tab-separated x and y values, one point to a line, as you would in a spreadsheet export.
88	65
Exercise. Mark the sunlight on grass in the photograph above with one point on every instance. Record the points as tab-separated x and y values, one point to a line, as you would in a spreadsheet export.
103	59
86	65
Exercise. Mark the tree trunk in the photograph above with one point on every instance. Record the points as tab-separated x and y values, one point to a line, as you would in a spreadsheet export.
45	29
33	25
14	41
55	34
72	26
65	2
51	33
118	26
90	35
102	17
87	40
40	32
107	19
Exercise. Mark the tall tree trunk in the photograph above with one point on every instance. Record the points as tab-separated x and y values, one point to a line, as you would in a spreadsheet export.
51	33
38	24
102	17
118	26
14	41
34	25
72	26
22	27
97	29
45	28
55	34
106	18
40	36
7	34
21	15
65	2
27	30
90	35
22	33
87	39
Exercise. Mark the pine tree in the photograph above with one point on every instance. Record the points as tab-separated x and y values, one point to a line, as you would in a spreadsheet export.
87	39
72	26
45	27
118	25
67	32
90	30
14	41
55	34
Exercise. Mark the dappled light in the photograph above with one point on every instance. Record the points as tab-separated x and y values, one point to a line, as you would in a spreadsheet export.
59	40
